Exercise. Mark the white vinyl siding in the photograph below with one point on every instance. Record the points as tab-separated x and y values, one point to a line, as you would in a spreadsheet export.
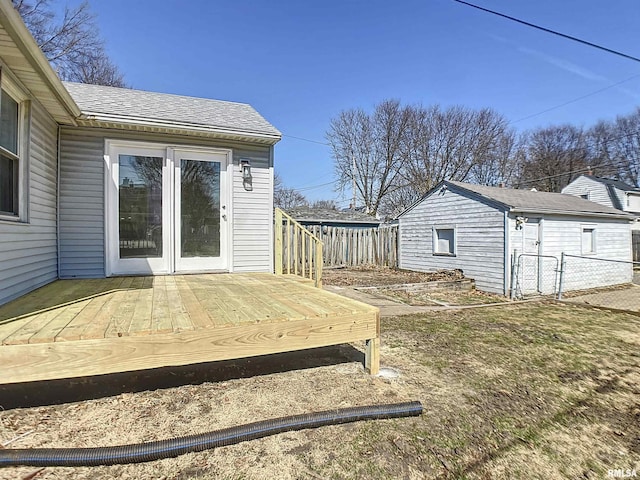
479	238
28	257
596	191
633	202
82	235
612	242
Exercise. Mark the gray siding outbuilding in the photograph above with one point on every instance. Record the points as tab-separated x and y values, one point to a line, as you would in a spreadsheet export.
483	231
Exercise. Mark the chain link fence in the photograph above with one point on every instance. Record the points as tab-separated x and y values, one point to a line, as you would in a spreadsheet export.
600	282
534	275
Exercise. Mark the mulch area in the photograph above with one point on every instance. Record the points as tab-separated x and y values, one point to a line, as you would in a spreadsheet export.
373	276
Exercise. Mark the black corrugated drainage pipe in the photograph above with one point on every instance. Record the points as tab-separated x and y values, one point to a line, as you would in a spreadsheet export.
147	452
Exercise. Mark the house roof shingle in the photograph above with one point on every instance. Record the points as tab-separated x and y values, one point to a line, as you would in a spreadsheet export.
139	104
534	201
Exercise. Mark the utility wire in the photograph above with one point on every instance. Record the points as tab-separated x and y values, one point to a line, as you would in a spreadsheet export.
554	32
307	140
568	102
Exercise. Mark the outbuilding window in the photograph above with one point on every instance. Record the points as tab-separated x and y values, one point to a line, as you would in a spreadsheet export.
10	155
444	241
588	240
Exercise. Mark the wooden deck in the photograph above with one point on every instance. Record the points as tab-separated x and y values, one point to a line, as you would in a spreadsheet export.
74	328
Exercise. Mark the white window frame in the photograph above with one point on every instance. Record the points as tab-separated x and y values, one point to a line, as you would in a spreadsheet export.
22	155
594	245
453	251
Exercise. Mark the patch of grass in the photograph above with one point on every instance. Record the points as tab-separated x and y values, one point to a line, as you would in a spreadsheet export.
527	375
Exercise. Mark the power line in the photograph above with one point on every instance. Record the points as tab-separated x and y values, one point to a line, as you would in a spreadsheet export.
554	32
574	100
307	140
314	186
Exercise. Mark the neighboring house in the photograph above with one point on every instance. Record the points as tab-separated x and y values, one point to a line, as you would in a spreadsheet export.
333	218
481	230
605	191
99	181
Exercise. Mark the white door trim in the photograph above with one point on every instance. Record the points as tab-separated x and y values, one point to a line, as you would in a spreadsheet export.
167	264
202	264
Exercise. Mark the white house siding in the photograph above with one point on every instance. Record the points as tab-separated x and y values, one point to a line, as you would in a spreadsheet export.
564	234
597	192
82	200
28	256
479	237
613	242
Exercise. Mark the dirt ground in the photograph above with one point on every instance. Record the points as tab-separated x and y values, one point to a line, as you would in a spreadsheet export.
523	391
372	276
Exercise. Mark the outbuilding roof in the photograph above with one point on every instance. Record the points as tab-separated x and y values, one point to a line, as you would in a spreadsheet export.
102	104
325	215
538	202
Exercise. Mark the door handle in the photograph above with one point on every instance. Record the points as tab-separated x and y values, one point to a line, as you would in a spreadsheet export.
224	216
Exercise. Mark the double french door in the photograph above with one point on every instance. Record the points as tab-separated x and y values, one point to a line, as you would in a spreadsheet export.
167	209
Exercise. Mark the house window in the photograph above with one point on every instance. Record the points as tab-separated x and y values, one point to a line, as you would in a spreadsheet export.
585	196
444	241
588	240
9	155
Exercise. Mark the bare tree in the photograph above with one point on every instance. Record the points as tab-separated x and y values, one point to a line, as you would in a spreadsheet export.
399	153
71	44
458	144
552	157
286	198
625	147
368	150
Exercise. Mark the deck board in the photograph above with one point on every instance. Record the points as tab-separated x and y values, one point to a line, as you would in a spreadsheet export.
74	328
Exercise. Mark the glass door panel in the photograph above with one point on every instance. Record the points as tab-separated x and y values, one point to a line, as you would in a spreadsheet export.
200	235
137	211
199	208
140	207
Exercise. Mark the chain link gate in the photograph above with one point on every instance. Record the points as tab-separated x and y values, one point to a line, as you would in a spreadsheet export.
534	275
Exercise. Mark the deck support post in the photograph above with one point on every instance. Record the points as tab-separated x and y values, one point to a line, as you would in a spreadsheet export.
372	356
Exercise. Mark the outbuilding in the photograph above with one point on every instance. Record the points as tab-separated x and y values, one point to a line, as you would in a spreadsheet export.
504	237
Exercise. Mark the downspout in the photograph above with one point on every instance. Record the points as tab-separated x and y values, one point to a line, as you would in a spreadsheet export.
58	203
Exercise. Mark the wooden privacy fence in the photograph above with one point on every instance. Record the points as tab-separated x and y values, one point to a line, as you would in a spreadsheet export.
358	246
297	250
635	240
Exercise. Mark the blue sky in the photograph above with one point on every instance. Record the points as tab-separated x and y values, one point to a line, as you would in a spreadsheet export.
299	63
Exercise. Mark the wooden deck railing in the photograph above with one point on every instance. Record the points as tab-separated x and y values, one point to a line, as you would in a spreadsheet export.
297	250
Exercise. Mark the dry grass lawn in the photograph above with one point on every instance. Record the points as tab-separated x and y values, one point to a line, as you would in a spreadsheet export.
526	391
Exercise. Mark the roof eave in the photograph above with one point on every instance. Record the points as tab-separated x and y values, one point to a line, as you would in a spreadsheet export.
95	119
622	216
12	22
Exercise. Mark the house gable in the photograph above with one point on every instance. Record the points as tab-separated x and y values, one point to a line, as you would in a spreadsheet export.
476	227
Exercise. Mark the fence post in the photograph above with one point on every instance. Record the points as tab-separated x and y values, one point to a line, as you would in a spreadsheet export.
278	232
563	264
513	275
